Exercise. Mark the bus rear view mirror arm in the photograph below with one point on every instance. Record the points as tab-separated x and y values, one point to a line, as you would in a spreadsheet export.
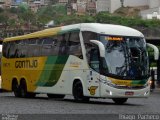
156	50
100	46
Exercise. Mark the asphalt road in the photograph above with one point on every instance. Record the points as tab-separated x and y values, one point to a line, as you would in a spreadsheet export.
10	105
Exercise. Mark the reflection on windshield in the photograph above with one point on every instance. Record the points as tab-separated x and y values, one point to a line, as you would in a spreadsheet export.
126	58
115	56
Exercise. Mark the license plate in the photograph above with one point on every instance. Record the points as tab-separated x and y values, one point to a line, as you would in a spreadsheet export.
129	93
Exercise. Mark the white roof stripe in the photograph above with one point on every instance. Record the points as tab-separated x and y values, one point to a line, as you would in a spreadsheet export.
108	29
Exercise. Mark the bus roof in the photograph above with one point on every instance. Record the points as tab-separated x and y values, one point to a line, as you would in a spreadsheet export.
111	29
108	29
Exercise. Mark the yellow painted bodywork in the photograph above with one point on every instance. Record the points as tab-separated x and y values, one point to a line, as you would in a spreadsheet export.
120	82
39	34
31	75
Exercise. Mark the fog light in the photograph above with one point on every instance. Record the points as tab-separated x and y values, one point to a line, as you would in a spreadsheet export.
110	92
146	93
150	82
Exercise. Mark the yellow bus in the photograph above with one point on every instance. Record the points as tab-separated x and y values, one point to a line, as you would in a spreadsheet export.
87	60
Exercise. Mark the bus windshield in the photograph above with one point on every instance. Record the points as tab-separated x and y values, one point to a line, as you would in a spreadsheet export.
125	57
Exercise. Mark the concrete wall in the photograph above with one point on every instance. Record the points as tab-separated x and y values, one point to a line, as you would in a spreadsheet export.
115	4
151	13
112	5
154	3
102	5
134	3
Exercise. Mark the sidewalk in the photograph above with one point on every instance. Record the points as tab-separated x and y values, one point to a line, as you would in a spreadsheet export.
157	88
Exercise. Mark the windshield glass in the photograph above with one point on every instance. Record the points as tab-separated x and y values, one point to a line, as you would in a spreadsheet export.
125	57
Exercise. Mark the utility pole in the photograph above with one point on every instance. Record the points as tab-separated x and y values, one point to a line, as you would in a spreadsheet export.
122	3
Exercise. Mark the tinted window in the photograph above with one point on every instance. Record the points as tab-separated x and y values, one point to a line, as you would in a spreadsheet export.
31	41
74	45
66	44
87	36
48	41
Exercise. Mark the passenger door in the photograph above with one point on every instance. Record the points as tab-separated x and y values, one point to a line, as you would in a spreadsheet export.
93	73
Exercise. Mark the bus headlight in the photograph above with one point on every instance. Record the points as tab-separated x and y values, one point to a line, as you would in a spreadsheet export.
148	83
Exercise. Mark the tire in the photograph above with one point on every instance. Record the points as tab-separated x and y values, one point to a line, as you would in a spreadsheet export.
23	89
78	93
16	89
55	96
120	101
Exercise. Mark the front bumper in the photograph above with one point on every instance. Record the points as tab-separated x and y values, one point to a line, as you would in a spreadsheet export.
111	92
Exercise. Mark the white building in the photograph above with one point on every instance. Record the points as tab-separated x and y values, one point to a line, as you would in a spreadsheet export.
154	3
41	2
102	5
2	3
153	12
135	3
112	5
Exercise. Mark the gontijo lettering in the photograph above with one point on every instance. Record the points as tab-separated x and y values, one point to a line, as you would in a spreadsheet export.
26	64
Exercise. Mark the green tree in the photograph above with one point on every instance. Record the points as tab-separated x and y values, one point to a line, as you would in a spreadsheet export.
42	20
26	17
14	10
3	20
12	23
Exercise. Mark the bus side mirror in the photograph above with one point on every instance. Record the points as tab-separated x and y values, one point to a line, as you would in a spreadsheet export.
100	46
156	50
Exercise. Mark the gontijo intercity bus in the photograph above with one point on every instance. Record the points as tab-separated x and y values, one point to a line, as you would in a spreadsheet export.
87	60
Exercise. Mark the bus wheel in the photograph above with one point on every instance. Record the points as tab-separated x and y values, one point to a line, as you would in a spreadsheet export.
23	89
15	88
55	96
120	101
78	92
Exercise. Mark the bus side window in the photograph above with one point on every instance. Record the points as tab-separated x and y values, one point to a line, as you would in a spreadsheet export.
55	46
48	45
87	36
75	45
31	46
62	45
39	41
12	50
5	49
21	49
18	48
